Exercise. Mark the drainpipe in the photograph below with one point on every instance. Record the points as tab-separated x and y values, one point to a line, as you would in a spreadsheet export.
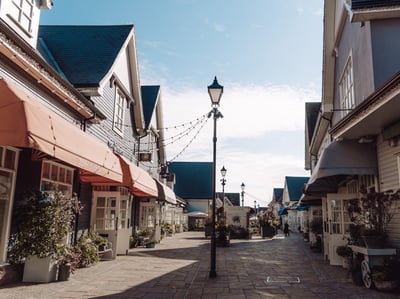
83	124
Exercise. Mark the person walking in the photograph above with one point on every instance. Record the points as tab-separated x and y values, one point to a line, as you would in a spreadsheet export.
286	229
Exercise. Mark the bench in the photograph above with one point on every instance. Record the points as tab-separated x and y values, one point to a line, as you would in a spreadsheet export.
105	252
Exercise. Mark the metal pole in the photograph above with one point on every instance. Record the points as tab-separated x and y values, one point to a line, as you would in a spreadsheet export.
213	272
223	200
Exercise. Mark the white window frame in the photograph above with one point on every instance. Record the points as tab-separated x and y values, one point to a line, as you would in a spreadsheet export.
57	178
119	112
346	88
8	165
22	13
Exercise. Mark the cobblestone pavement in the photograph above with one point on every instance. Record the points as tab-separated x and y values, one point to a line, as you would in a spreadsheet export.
179	268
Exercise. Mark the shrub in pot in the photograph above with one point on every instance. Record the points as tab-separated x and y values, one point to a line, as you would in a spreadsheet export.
43	221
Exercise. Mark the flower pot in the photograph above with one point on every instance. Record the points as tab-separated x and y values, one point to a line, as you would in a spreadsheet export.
64	271
40	269
150	245
386	285
267	231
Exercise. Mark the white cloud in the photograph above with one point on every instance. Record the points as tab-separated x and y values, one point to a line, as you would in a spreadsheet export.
219	27
250	112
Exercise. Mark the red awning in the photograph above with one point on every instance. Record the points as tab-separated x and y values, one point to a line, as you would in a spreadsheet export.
137	179
24	122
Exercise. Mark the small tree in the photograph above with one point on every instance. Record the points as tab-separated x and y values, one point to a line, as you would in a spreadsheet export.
43	221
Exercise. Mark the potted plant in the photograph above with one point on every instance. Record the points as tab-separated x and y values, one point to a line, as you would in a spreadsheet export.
222	235
44	220
69	261
266	219
347	254
88	247
386	277
371	215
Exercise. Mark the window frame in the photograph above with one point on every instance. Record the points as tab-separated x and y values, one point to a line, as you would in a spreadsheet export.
55	178
119	112
23	10
346	88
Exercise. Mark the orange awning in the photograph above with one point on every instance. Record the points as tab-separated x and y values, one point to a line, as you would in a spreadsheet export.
24	122
137	179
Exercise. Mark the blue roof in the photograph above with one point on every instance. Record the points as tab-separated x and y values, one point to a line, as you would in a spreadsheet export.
295	186
149	101
193	180
277	194
83	54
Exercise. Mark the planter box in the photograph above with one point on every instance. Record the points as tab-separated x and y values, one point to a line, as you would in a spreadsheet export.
267	231
40	269
386	285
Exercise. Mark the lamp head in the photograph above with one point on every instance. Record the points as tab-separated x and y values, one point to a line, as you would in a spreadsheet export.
215	91
242	186
223	171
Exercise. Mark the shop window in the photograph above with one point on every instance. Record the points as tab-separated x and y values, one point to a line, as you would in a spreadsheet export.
56	176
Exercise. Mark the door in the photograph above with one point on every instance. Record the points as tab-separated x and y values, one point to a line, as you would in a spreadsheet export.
111	218
8	169
338	223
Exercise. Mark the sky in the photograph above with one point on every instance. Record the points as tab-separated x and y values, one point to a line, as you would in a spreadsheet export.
266	53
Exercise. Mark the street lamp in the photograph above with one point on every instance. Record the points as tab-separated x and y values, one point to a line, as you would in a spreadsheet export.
242	186
215	91
223	181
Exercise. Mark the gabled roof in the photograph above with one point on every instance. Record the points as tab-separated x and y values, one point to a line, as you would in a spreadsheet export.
234	198
277	194
295	186
84	53
149	101
193	180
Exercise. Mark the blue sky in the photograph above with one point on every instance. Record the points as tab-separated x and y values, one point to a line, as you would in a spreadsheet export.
267	55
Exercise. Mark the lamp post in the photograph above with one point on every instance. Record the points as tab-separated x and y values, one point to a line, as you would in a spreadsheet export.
223	181
215	91
255	206
242	186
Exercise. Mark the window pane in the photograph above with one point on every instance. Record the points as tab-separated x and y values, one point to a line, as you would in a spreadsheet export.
68	177
9	161
101	201
99	213
99	224
123	204
54	172
46	170
61	177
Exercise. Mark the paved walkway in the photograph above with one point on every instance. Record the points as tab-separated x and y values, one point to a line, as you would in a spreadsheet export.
179	266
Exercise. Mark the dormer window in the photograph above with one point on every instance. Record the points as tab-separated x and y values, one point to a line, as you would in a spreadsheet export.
346	89
119	112
21	13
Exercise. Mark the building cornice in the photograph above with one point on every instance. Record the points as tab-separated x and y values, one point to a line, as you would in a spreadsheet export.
29	62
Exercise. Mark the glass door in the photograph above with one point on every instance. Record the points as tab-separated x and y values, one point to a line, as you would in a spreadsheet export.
338	224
